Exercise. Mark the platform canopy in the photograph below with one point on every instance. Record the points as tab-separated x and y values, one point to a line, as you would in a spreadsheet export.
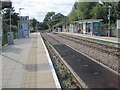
5	4
88	21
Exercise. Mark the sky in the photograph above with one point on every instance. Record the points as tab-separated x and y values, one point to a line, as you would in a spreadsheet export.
38	8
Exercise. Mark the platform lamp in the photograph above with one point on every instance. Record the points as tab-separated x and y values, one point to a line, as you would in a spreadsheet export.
10	18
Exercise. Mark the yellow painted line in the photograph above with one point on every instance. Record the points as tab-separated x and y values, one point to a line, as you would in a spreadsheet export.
30	74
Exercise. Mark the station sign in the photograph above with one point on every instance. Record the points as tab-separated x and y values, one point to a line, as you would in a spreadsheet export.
118	24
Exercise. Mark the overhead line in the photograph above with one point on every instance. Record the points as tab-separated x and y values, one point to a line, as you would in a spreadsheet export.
68	7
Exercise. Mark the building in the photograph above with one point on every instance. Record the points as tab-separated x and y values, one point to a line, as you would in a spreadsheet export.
23	26
90	26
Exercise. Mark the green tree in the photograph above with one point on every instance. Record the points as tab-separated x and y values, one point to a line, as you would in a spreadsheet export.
14	16
33	23
48	19
99	12
6	23
52	19
94	10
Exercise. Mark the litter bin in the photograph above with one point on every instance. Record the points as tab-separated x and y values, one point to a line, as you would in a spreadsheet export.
10	38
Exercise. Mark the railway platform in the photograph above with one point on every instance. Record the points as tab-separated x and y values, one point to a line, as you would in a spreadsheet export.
102	38
27	64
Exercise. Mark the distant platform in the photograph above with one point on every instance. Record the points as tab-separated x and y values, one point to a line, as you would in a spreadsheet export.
102	38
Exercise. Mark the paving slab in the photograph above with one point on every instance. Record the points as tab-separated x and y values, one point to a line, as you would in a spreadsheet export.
25	64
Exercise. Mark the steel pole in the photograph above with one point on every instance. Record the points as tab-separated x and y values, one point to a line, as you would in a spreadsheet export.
109	21
19	11
10	20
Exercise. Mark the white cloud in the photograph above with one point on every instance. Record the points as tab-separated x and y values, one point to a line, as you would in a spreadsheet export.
39	8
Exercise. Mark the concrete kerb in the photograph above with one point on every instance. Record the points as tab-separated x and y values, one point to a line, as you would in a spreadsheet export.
57	83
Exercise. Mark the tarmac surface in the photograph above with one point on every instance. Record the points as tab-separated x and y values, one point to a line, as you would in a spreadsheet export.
25	64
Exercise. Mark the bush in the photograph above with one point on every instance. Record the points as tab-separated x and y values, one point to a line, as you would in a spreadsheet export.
14	28
5	40
6	28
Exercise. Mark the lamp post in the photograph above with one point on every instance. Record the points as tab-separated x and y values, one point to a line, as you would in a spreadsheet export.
10	20
19	24
20	11
109	10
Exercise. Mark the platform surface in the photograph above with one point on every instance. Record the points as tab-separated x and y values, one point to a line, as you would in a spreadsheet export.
103	38
25	65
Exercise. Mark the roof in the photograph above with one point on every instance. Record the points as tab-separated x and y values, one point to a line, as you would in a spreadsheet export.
58	24
88	21
5	4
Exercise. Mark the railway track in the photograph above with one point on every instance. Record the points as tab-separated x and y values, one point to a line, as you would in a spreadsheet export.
108	57
104	47
58	59
92	74
108	43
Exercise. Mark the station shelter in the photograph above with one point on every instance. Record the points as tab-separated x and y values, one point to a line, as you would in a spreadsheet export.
71	28
23	27
92	27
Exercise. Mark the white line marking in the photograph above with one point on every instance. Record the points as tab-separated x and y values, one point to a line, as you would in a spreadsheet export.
51	66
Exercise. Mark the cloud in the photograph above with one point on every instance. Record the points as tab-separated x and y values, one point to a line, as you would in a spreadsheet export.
39	8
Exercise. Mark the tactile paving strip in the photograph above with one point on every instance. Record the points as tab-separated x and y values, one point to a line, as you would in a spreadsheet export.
30	74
